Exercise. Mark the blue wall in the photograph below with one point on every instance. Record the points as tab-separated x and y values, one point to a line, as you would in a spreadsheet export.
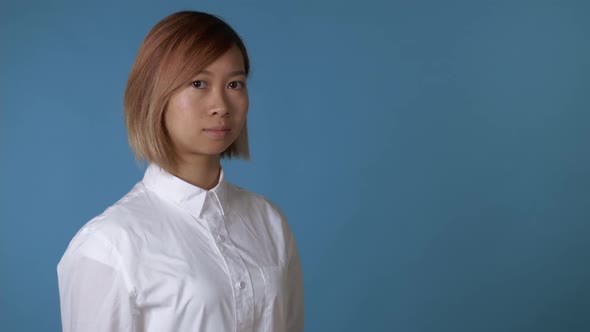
432	156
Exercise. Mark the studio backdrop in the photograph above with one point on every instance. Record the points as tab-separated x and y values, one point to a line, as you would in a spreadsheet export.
431	156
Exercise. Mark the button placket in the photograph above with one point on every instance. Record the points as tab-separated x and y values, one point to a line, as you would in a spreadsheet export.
238	273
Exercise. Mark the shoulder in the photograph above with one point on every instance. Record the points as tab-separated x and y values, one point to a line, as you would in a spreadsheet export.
261	212
266	210
243	198
103	237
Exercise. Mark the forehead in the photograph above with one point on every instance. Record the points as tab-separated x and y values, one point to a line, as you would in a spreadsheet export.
230	62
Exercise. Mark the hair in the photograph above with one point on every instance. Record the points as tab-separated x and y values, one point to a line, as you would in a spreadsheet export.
177	47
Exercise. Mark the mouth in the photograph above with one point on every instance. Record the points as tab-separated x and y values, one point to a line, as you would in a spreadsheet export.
218	128
217	132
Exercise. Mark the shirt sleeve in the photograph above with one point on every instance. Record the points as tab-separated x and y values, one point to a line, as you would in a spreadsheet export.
94	295
295	303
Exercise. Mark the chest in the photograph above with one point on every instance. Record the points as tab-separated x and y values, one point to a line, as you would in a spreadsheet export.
220	270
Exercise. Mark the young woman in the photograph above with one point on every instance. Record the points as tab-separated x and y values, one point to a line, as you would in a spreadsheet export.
185	250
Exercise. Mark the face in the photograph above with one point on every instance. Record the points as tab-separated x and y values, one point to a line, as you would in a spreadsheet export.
206	116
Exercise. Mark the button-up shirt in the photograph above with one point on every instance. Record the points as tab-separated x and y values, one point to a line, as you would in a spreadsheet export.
170	256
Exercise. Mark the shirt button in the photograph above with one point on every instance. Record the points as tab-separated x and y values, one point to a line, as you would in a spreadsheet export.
221	238
242	285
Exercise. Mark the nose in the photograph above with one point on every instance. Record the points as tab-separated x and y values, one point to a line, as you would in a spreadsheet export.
219	105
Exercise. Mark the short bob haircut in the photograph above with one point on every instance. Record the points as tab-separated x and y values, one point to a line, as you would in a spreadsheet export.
173	52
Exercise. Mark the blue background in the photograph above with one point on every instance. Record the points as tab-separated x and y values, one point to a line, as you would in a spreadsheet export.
432	156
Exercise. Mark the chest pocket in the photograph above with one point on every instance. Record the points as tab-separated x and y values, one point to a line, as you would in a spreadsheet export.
275	291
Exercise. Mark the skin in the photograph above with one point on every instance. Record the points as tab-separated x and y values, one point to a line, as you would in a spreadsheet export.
216	97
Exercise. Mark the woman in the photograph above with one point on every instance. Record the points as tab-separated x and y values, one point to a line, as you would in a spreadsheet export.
185	250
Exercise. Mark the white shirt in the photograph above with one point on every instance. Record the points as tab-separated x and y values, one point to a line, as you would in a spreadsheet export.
170	256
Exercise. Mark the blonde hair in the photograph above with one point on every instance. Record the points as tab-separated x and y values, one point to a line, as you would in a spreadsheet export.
176	48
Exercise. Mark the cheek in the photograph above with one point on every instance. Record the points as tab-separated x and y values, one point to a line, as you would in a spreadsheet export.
173	121
240	106
180	122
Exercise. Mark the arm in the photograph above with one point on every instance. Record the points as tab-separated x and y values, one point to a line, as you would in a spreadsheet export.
295	307
93	293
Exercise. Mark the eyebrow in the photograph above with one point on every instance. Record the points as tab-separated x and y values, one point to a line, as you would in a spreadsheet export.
231	74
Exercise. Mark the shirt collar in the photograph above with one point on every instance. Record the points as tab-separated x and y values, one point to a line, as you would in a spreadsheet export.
186	195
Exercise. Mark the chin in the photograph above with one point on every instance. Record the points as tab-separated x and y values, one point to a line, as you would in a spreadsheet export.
212	151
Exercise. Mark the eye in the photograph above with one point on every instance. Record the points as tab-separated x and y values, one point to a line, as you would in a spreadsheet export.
236	85
199	84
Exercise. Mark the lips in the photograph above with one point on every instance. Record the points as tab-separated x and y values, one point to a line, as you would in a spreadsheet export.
219	128
218	132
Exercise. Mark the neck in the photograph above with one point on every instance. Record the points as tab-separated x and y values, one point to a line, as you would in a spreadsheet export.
200	171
